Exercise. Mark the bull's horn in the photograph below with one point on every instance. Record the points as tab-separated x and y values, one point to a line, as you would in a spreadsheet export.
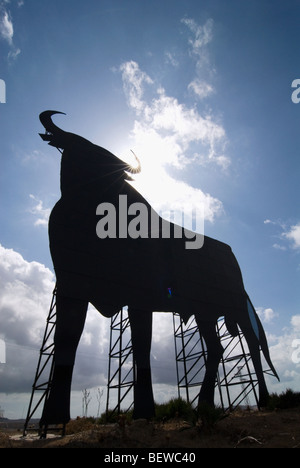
135	170
45	118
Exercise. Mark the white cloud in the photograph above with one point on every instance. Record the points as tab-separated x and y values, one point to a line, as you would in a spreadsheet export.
266	315
25	295
167	132
6	27
201	88
185	125
13	54
40	212
289	237
295	322
282	351
133	81
202	34
162	133
171	58
268	221
279	246
293	235
7	30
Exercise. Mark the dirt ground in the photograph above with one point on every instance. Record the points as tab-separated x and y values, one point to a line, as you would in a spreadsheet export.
241	429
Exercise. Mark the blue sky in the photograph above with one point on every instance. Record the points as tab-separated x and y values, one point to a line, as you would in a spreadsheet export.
201	91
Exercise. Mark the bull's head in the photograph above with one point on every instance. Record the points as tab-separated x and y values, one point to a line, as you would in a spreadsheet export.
61	139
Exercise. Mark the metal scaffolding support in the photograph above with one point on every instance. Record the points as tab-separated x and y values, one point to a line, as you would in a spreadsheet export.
45	366
190	356
236	382
121	370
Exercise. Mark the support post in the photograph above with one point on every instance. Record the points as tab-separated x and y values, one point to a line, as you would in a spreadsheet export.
121	371
45	366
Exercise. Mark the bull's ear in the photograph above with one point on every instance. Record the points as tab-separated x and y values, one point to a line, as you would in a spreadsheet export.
128	177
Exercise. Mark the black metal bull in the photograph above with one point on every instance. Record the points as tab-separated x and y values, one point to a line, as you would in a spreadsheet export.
148	273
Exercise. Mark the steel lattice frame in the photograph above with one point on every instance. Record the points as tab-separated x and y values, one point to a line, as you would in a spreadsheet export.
45	366
236	382
121	370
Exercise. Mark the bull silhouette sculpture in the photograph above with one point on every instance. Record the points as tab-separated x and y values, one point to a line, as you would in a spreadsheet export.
147	272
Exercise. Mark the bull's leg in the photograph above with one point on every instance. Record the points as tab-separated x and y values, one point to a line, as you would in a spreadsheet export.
70	319
214	354
141	335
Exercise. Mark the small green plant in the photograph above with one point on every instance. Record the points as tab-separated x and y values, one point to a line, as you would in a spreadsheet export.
175	408
287	399
209	415
112	416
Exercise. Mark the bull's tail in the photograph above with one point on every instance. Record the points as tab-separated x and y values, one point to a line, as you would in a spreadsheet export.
260	334
233	329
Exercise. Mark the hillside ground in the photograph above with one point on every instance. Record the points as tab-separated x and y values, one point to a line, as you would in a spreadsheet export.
240	429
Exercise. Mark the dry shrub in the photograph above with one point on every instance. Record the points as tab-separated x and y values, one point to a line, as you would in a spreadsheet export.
4	440
79	425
